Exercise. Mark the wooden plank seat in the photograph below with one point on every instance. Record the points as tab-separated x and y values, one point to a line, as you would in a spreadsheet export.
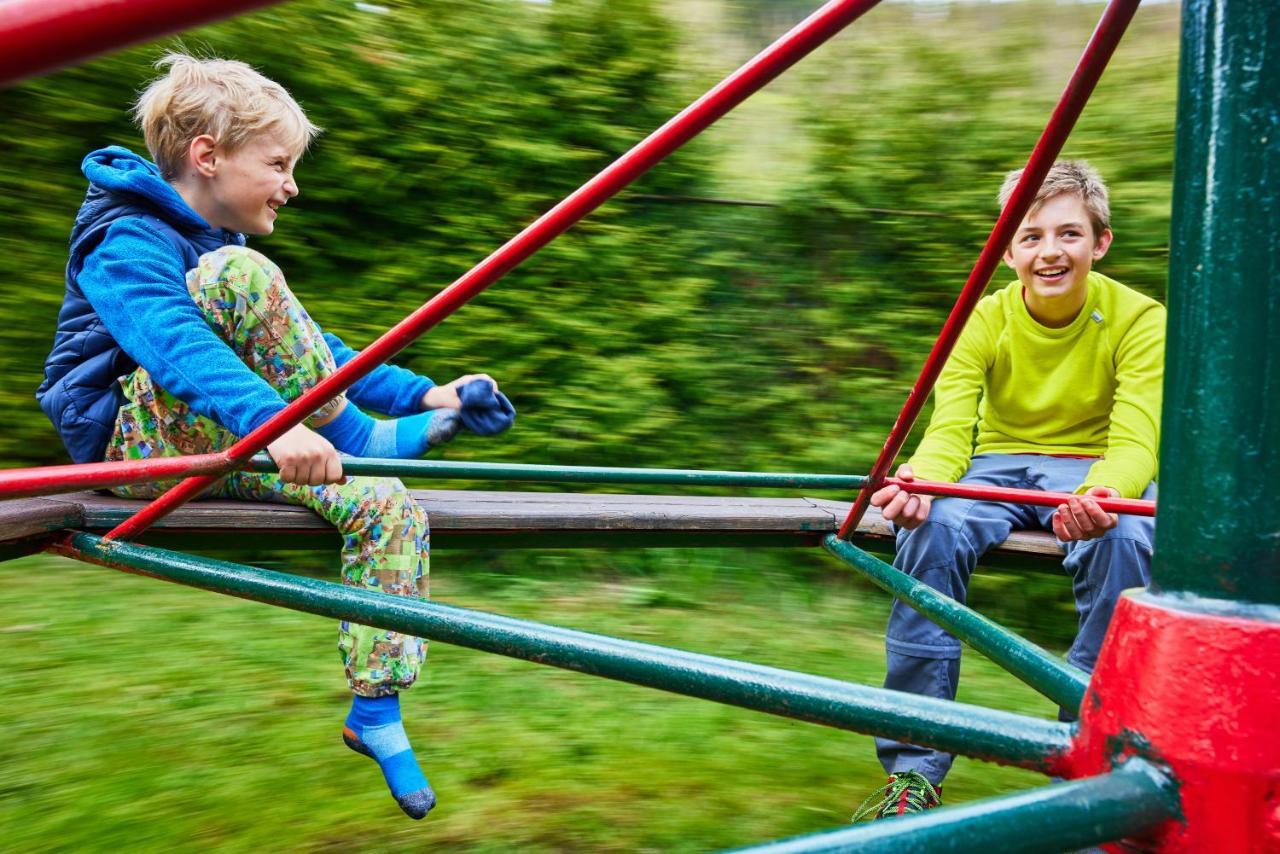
472	518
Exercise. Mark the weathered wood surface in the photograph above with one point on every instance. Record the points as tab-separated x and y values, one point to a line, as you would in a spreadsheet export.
476	512
28	517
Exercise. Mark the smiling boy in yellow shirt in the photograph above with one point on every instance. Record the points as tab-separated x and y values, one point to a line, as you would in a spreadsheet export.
1060	374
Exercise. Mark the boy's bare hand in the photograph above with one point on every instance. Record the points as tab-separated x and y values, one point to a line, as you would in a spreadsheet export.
446	396
896	505
306	458
1082	519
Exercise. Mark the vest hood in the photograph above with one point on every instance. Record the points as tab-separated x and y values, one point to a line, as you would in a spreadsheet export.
122	183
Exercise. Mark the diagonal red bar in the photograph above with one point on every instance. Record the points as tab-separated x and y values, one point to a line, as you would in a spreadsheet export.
733	90
41	35
1102	44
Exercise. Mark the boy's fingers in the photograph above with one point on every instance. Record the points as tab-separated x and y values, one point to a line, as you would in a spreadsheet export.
894	508
911	507
926	503
333	469
881	496
1068	523
467	378
1101	518
1080	515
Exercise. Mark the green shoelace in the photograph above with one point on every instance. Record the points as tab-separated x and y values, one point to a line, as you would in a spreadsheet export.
920	795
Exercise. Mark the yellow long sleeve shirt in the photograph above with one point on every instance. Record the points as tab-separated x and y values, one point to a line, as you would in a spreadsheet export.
1090	388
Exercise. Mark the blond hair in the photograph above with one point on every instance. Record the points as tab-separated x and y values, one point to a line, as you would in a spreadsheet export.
223	98
1068	176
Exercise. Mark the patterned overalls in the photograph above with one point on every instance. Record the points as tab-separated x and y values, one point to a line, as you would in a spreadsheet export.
385	538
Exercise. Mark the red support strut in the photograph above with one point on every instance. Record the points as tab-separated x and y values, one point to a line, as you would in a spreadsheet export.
37	36
1102	44
733	90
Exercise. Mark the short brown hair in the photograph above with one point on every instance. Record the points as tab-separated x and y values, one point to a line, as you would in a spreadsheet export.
224	98
1068	176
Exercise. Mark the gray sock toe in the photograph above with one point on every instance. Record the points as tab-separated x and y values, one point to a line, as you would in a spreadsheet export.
417	804
444	425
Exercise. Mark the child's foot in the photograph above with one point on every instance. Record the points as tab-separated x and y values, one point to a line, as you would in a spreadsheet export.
374	728
906	792
406	438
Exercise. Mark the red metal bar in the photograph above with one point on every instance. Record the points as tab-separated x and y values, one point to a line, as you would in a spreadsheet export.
1038	497
1102	44
50	480
768	64
37	36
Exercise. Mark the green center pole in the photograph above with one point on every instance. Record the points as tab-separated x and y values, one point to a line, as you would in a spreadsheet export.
1218	534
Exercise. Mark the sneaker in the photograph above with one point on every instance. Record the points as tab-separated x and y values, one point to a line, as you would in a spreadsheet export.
905	793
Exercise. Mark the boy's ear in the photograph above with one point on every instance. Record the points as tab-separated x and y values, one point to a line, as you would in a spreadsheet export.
1008	257
1102	244
202	156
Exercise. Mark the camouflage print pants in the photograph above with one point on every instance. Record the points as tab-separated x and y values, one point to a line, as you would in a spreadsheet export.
385	541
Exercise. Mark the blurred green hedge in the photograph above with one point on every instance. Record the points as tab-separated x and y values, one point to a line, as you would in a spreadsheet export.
655	332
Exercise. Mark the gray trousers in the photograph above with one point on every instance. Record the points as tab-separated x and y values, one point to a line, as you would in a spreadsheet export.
923	658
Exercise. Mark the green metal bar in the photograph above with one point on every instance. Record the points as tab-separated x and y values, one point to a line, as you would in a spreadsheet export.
1057	680
985	733
1130	801
580	474
1217	535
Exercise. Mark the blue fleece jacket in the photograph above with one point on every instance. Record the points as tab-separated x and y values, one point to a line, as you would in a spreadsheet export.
127	304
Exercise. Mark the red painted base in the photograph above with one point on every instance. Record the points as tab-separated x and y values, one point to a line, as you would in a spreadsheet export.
1199	695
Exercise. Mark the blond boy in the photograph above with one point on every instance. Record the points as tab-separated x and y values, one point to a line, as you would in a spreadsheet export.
174	338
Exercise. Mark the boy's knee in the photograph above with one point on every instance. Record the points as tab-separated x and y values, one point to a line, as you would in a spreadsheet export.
951	512
239	267
1116	561
397	503
1140	529
934	541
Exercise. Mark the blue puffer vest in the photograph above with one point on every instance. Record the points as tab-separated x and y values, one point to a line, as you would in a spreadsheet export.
81	392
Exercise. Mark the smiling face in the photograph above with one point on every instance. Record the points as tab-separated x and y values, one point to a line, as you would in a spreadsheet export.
249	184
1052	253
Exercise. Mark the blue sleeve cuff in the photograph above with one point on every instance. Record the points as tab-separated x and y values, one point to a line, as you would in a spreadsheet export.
387	389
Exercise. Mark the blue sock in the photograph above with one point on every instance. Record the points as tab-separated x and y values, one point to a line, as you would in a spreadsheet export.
350	431
374	728
406	438
411	436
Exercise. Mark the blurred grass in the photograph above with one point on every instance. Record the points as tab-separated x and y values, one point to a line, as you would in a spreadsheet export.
145	716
